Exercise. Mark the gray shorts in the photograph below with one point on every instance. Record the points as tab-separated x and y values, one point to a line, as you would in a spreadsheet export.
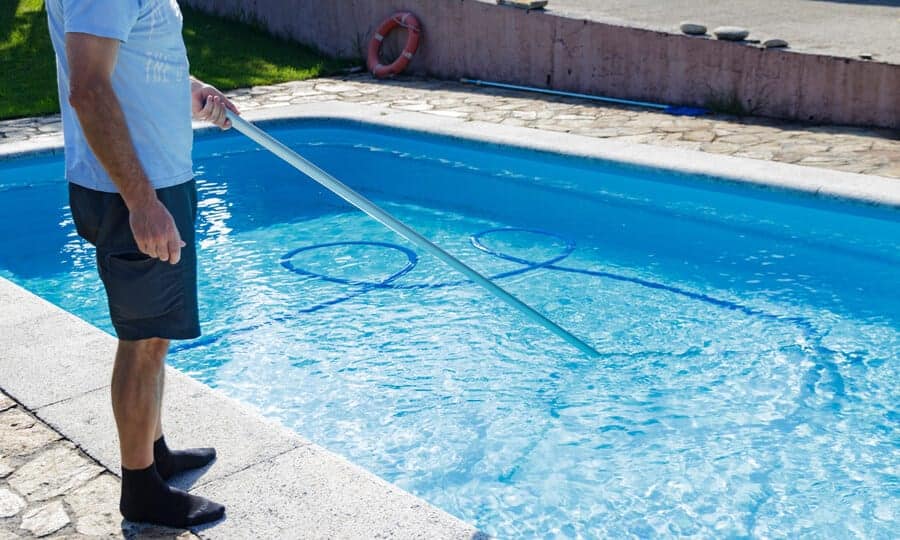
147	297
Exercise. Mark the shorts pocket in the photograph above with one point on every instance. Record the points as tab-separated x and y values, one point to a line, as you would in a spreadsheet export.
141	287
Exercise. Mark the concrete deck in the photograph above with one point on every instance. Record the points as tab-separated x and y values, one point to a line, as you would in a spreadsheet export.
57	367
846	28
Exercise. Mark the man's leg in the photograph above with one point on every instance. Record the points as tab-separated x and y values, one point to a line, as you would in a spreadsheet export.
172	462
162	387
136	397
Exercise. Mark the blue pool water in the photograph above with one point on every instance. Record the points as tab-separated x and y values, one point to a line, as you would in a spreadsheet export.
748	378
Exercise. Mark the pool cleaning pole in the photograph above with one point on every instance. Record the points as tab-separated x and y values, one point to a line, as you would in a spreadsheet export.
308	168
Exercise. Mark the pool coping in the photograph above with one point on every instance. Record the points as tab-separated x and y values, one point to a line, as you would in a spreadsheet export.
820	182
262	462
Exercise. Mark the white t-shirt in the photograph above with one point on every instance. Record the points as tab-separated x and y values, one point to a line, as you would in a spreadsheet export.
150	79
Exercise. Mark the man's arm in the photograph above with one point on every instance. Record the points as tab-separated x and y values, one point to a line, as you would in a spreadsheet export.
92	60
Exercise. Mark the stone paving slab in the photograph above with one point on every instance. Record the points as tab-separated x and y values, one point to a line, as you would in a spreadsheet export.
21	435
52	472
849	149
51	489
6	403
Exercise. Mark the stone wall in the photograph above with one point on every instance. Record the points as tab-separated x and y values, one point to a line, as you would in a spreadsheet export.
470	38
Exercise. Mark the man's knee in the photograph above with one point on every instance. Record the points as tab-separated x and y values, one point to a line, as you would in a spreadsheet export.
145	353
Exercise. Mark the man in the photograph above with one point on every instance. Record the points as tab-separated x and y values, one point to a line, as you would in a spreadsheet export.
127	100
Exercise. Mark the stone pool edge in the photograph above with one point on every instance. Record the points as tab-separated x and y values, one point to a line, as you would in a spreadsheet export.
274	483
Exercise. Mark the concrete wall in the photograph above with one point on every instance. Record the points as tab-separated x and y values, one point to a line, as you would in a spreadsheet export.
470	38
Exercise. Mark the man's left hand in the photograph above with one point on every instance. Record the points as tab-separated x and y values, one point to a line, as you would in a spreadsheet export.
209	104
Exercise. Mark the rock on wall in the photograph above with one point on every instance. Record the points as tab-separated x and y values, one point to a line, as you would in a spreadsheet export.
471	38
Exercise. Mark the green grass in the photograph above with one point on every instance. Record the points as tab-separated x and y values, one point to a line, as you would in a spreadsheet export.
223	53
27	64
230	55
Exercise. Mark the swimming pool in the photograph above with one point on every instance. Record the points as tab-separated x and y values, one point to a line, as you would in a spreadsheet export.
747	383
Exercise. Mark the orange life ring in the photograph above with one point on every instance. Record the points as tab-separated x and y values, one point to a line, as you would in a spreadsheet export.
403	19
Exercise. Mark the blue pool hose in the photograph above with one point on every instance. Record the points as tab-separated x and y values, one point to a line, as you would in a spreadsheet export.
335	186
671	109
